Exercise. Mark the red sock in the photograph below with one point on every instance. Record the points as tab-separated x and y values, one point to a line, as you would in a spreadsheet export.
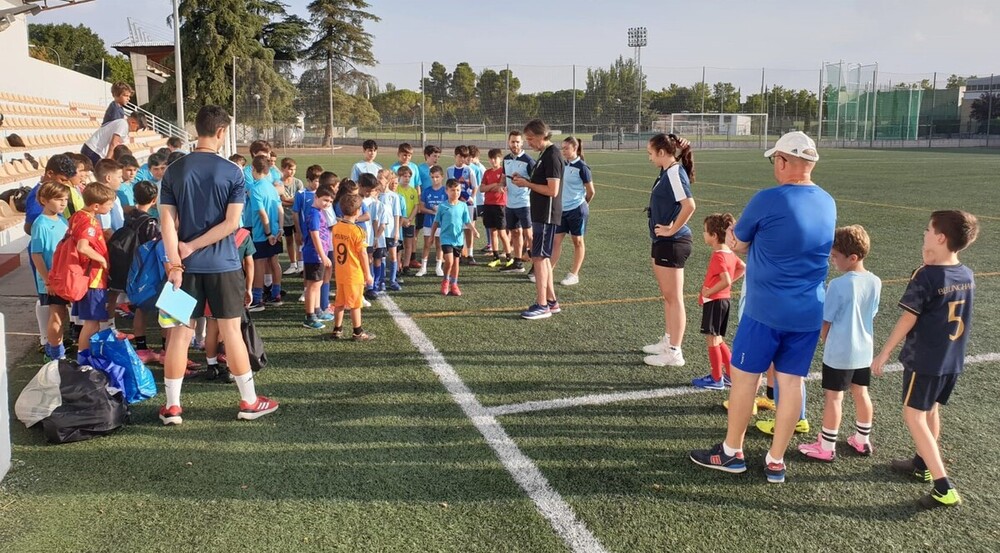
715	359
727	357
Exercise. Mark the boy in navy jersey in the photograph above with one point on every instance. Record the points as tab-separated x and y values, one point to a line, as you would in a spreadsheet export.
936	321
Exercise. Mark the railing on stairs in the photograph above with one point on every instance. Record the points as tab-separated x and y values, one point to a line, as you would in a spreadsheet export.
159	124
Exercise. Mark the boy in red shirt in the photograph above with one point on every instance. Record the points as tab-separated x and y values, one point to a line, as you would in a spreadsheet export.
494	187
85	229
724	268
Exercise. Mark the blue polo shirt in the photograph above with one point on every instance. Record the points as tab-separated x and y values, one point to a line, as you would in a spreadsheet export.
672	186
575	175
524	165
451	219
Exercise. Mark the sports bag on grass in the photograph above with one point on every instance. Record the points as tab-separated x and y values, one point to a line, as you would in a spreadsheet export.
255	346
88	410
138	383
40	397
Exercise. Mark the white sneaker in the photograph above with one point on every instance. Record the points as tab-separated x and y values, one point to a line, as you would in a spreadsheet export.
659	347
302	298
669	358
422	271
366	303
570	280
531	277
300	268
439	271
291	270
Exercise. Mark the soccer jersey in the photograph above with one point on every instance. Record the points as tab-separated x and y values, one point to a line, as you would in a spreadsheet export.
575	176
411	199
941	298
523	165
722	261
348	245
416	179
467	182
84	226
392	208
45	236
314	221
372	207
202	185
363	167
303	199
33	209
850	307
499	196
291	191
431	199
451	219
479	170
264	197
424	171
790	232
547	209
672	186
126	194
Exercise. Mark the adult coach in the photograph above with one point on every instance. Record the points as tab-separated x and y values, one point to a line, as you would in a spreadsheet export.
788	232
545	185
517	215
105	139
201	203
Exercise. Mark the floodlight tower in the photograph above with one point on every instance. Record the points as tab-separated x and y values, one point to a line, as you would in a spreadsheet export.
637	39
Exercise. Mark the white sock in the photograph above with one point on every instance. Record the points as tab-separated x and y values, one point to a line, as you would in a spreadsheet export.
248	391
828	439
172	386
863	431
771	460
440	263
729	451
423	263
212	361
42	317
268	279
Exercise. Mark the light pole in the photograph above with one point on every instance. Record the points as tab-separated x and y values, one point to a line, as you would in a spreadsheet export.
49	48
621	130
178	78
637	39
256	98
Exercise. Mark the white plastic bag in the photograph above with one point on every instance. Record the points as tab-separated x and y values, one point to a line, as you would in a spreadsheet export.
40	397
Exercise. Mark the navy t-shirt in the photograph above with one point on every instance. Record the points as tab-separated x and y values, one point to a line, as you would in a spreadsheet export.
672	186
201	186
790	231
941	298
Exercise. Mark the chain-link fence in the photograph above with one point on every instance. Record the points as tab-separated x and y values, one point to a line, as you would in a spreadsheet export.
321	105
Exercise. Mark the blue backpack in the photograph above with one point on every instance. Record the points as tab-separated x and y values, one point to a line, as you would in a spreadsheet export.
146	275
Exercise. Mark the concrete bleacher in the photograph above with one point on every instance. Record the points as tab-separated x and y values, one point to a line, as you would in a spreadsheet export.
47	126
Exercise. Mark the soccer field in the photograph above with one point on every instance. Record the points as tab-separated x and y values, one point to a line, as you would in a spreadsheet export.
537	435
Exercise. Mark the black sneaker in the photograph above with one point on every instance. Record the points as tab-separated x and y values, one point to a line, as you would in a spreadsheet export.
371	295
471	261
274	302
220	374
517	267
906	466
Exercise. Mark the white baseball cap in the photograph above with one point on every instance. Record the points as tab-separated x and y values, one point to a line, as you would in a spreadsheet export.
796	144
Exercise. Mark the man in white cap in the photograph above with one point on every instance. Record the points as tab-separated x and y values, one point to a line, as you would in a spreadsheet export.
787	233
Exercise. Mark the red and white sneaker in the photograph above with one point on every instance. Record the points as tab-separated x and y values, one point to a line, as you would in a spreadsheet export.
171	416
862	449
263	406
815	451
445	287
455	291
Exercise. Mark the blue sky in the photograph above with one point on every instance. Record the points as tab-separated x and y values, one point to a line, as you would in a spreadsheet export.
910	39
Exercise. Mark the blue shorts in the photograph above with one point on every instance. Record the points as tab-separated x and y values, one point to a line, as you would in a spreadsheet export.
543	236
574	221
757	345
266	251
93	306
517	218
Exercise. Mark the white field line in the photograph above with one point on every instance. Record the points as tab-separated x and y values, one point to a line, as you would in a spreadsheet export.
638	395
526	473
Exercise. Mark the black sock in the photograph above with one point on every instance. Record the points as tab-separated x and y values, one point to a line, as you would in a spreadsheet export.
140	342
770	392
337	329
942	485
77	329
919	464
358	331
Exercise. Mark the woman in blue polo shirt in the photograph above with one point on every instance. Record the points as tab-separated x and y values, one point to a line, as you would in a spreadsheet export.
578	191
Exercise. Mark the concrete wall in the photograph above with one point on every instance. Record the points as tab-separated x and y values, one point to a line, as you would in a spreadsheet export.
4	412
22	74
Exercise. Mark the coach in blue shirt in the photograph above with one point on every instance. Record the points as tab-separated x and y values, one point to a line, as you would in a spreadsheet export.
787	233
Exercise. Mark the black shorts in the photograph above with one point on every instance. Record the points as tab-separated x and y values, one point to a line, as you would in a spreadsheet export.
517	217
266	251
543	236
313	272
289	230
715	317
375	253
493	216
480	209
840	380
409	232
223	292
671	253
391	244
46	299
451	249
922	391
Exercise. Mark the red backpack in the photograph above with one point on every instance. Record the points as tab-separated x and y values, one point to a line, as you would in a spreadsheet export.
70	275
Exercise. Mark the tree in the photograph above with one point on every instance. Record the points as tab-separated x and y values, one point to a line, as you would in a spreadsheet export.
78	48
397	106
725	98
118	69
986	108
313	103
463	88
491	91
607	89
955	81
437	83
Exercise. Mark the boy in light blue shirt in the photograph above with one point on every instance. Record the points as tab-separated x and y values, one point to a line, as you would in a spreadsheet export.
848	316
367	165
265	218
453	221
405	154
374	231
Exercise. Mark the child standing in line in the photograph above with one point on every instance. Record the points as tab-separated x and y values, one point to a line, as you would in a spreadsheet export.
453	221
848	319
936	321
46	232
126	194
351	269
392	213
147	228
85	229
494	189
366	165
430	198
410	196
265	220
317	243
431	155
724	268
405	154
290	188
466	178
479	169
374	230
578	192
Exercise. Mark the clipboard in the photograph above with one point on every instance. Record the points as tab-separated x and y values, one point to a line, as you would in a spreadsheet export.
178	304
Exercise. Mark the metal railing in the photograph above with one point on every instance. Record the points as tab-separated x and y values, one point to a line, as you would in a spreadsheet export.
159	124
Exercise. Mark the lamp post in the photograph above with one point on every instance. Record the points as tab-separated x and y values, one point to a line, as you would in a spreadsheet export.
49	48
637	39
440	122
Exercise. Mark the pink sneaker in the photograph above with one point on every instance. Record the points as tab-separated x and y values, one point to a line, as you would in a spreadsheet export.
815	451
171	416
148	356
862	449
251	411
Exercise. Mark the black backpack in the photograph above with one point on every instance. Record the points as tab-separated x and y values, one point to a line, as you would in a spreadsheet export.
121	249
